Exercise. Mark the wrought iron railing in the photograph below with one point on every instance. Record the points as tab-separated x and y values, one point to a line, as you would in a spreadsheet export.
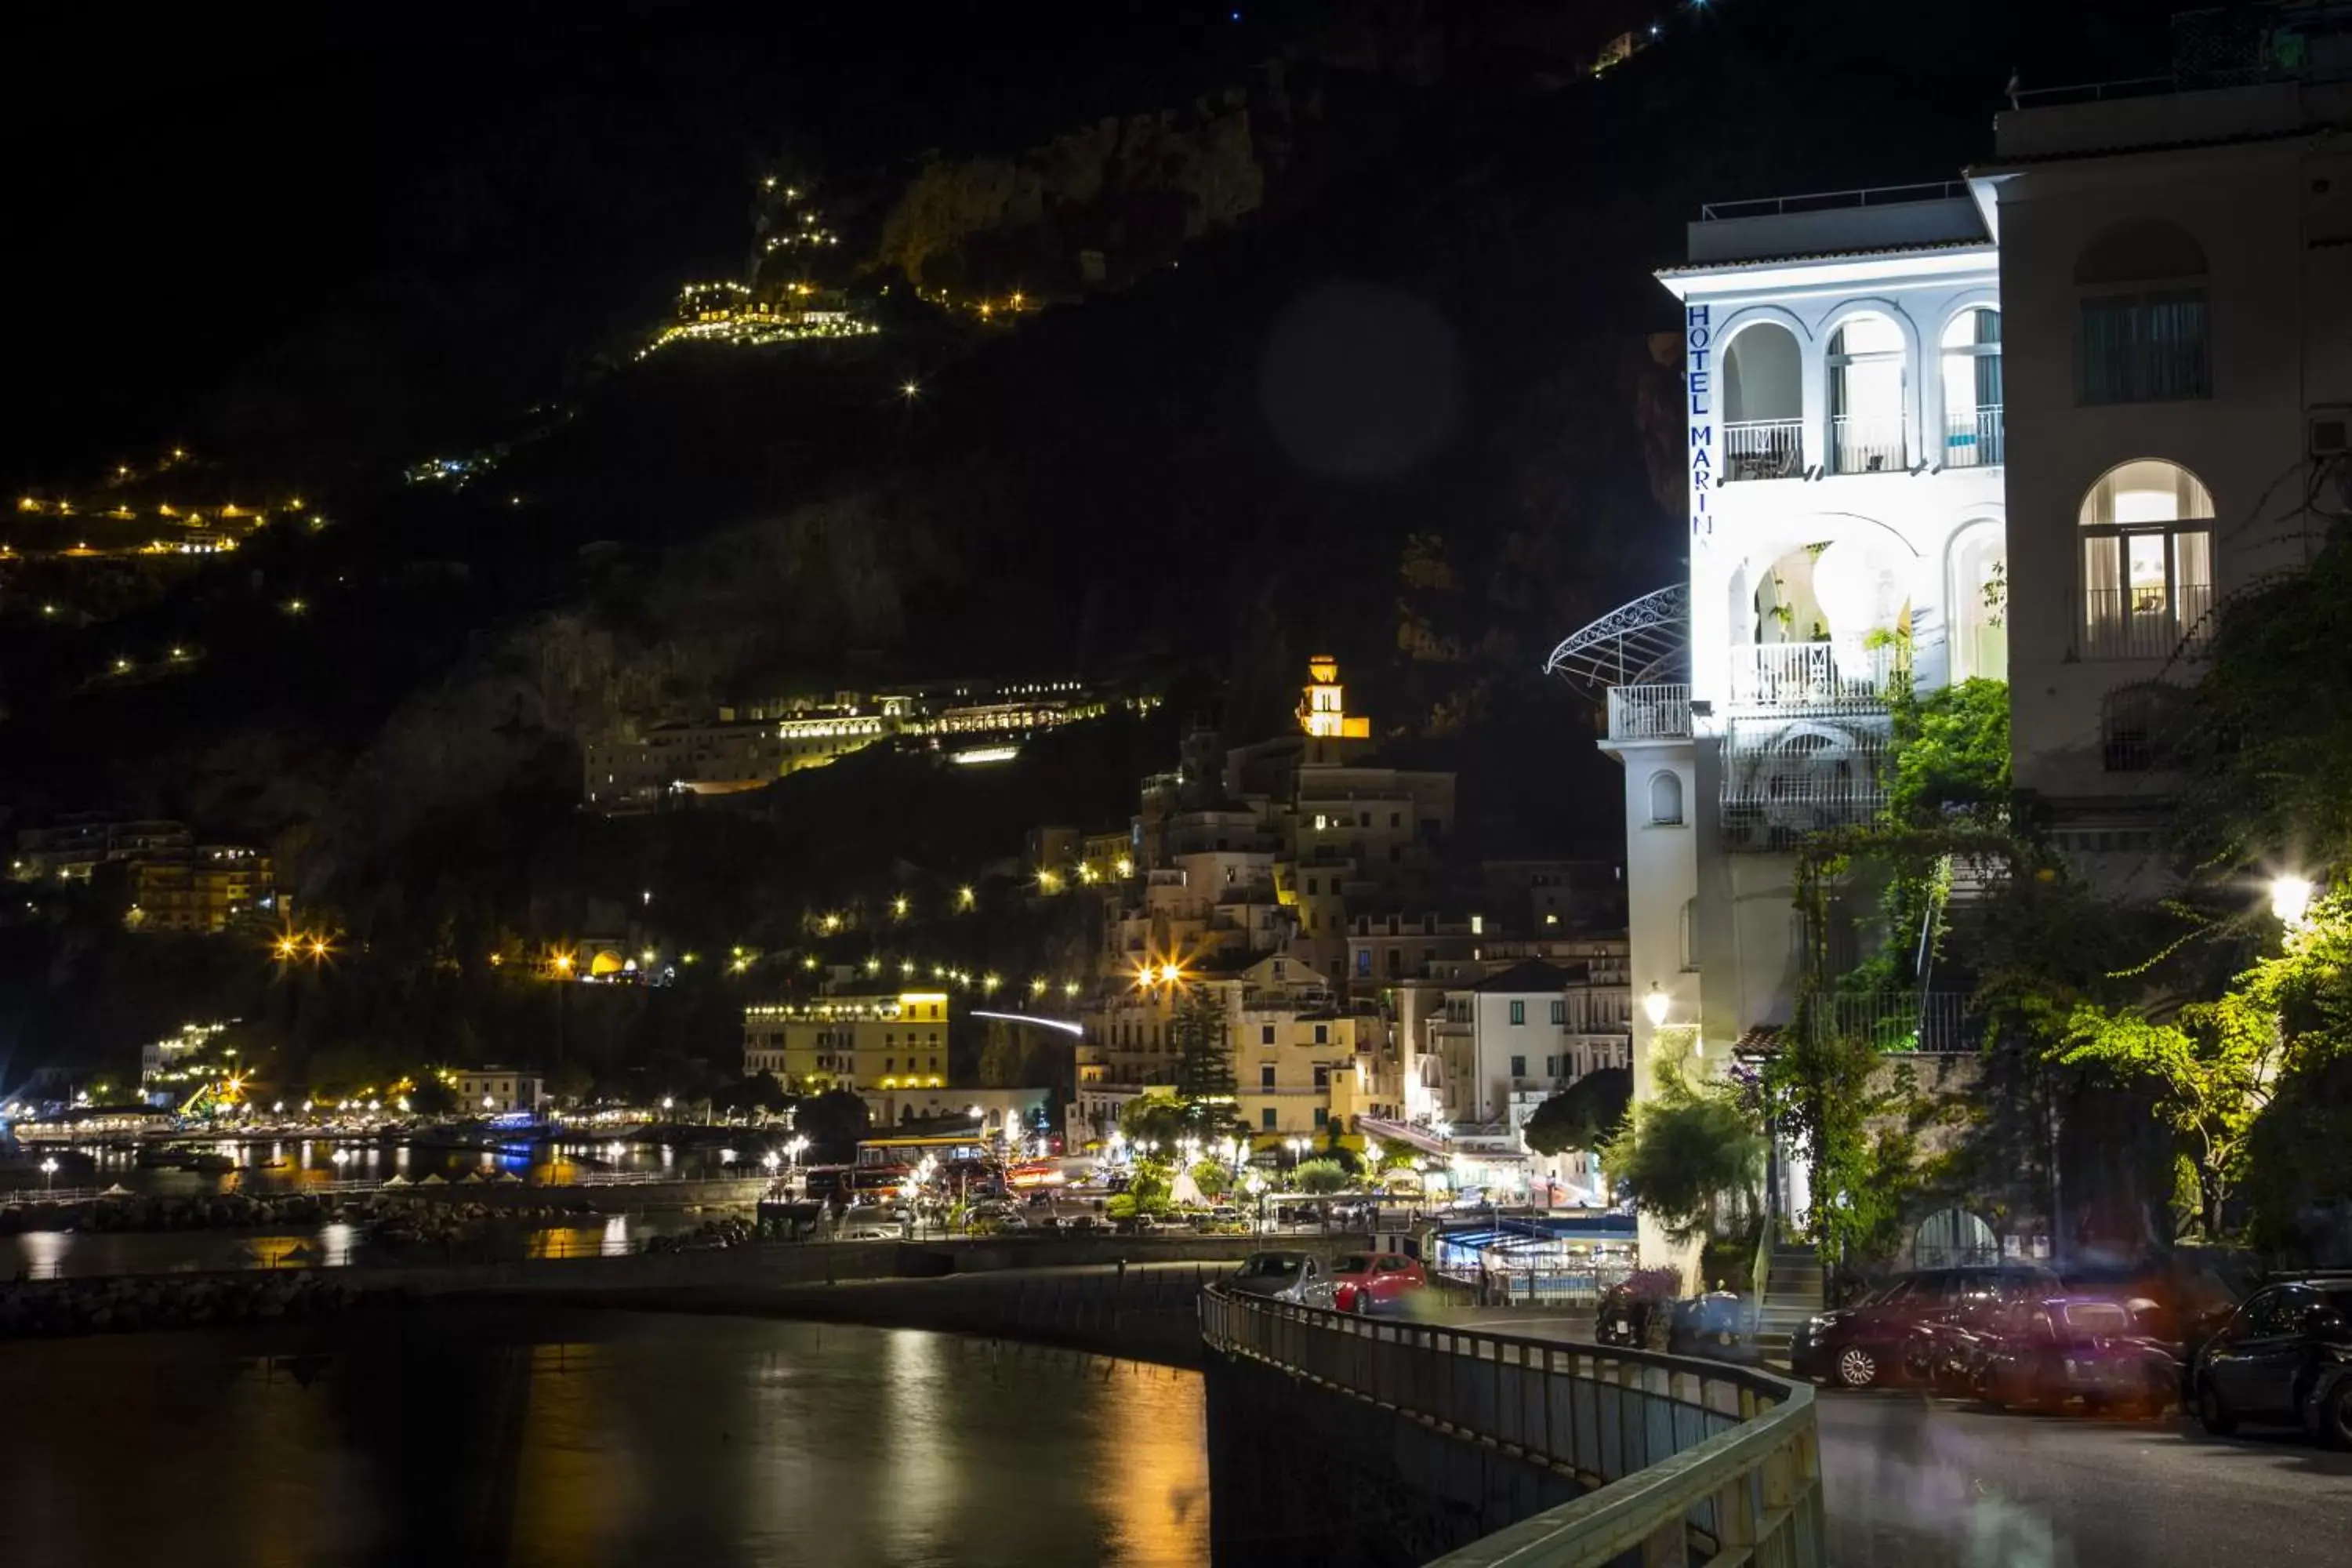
1689	1460
1784	779
1659	712
1763	449
1897	1020
1972	438
2137	623
1867	444
1847	677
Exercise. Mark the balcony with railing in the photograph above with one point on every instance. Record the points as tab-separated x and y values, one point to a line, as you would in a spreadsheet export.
2141	622
1658	712
1763	449
1896	1021
1868	444
1972	438
1845	676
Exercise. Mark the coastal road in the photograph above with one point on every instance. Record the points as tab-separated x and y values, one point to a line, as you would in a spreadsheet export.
1920	1482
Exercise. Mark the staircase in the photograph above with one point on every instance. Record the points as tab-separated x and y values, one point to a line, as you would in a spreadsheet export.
1792	1292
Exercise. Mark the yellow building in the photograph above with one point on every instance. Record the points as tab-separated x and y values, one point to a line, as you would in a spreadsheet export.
1294	1067
1323	710
856	1042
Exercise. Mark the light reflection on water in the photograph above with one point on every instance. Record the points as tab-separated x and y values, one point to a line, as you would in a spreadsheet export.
593	1439
58	1255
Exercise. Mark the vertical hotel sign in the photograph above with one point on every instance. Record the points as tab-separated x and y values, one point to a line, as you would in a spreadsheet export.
1698	344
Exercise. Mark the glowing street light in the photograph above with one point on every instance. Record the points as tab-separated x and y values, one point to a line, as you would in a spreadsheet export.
48	1174
1656	1006
2290	901
965	898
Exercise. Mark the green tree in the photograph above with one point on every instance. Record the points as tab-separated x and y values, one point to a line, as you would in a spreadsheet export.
1584	1115
832	1123
1320	1176
1205	1061
2218	1066
1148	1187
1687	1153
1214	1178
1151	1120
431	1096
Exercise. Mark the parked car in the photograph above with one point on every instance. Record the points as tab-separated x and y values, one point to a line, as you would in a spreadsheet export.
1295	1277
2039	1355
1369	1282
870	1233
2284	1357
1864	1344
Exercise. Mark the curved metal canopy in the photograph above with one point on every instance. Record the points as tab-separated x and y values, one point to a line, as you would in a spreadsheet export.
1634	643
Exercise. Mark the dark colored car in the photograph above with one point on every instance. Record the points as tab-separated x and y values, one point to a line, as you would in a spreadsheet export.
2039	1355
2284	1357
1866	1342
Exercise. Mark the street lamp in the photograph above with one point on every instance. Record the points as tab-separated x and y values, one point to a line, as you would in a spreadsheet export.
48	1174
1656	1006
772	1160
2290	901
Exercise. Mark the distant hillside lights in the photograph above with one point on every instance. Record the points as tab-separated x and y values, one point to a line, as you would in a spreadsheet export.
733	314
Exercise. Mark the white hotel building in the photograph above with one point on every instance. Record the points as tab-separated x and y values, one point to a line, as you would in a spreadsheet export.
2032	426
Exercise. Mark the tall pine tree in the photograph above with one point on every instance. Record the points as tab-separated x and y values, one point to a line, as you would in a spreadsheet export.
1204	1058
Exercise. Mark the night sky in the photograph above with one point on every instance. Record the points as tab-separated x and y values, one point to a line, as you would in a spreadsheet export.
194	192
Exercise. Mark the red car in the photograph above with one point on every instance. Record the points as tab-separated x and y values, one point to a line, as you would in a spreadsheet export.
1369	1282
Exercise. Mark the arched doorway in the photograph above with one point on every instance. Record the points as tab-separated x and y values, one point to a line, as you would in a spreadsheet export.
1954	1239
1977	601
1867	395
1763	405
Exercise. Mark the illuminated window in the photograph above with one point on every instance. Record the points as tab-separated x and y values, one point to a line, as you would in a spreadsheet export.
2147	561
1867	396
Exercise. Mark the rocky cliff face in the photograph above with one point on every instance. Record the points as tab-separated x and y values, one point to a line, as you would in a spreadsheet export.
1093	207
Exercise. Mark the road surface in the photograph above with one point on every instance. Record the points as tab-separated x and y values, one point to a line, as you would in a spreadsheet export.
1918	1482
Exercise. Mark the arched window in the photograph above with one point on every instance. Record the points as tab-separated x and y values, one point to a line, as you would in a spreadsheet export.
1665	799
1976	606
2147	560
1763	405
2141	289
1971	351
1867	397
2144	726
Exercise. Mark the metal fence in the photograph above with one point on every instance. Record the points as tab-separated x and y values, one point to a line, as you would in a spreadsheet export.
1657	710
1690	1460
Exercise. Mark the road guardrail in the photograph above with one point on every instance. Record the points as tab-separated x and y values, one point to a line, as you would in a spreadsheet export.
1689	1460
